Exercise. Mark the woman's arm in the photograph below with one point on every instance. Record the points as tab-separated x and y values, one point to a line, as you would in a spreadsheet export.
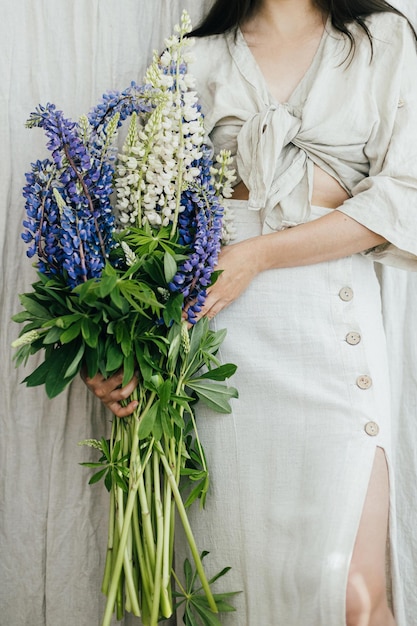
332	236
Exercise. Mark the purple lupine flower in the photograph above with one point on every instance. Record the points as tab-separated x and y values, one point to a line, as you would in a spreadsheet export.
75	238
123	102
200	228
42	218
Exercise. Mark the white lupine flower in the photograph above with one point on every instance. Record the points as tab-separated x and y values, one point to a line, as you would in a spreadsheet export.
26	339
189	81
165	59
228	228
131	163
156	162
130	256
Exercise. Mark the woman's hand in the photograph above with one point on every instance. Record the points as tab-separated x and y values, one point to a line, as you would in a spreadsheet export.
239	265
111	392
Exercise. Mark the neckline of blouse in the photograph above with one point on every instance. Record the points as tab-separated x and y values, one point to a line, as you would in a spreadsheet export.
249	68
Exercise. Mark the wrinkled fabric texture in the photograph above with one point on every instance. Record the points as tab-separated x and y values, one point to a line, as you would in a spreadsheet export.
52	524
353	117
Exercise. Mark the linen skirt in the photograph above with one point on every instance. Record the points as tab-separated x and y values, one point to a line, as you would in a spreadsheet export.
291	465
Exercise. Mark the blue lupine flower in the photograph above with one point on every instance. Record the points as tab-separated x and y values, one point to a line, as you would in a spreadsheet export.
123	102
76	238
200	228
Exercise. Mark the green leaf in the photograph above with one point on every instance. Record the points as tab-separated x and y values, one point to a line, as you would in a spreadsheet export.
174	337
123	337
38	376
97	476
198	491
52	371
128	368
90	332
30	304
201	607
170	267
164	393
146	369
108	481
71	333
56	381
188	574
220	373
75	366
148	421
119	480
107	284
53	335
118	301
197	611
214	395
189	617
91	361
176	416
197	332
105	448
114	357
173	309
23	316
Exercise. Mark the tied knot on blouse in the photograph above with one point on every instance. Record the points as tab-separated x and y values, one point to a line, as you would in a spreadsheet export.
274	165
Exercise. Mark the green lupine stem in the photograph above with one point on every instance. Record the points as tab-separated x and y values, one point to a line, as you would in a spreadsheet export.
187	529
159	540
131	595
168	530
134	479
110	547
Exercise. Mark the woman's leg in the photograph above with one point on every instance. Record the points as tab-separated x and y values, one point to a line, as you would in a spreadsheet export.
366	597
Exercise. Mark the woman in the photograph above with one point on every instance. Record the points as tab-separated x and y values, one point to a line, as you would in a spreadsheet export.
318	101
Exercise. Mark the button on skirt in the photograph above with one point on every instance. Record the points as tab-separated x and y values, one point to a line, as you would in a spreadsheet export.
290	466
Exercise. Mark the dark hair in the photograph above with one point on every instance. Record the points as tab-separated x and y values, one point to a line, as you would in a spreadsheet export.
226	15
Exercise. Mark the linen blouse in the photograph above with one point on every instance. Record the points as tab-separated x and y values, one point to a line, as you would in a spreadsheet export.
353	116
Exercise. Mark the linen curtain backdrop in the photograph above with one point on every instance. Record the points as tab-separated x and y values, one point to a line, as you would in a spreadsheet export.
52	523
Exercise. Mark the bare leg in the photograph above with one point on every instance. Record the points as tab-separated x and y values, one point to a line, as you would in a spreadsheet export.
366	598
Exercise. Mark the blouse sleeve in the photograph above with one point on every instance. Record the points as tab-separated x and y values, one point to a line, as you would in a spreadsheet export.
386	200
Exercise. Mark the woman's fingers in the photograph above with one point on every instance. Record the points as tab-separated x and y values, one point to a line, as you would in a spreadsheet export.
111	393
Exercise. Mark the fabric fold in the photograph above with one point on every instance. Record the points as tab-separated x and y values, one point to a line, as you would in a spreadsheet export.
274	166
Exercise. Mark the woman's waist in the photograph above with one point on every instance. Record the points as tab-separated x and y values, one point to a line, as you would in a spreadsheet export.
246	219
326	190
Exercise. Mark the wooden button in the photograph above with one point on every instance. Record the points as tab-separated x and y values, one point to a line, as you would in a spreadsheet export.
353	338
372	429
364	382
346	294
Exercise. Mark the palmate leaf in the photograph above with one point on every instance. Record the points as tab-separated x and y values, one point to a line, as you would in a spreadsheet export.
214	395
196	610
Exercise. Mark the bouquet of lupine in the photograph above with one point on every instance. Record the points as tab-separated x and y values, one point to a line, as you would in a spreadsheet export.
120	288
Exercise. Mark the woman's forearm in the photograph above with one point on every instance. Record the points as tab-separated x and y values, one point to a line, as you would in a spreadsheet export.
332	236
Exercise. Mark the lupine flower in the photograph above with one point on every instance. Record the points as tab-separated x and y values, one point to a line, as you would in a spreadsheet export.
200	228
70	222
